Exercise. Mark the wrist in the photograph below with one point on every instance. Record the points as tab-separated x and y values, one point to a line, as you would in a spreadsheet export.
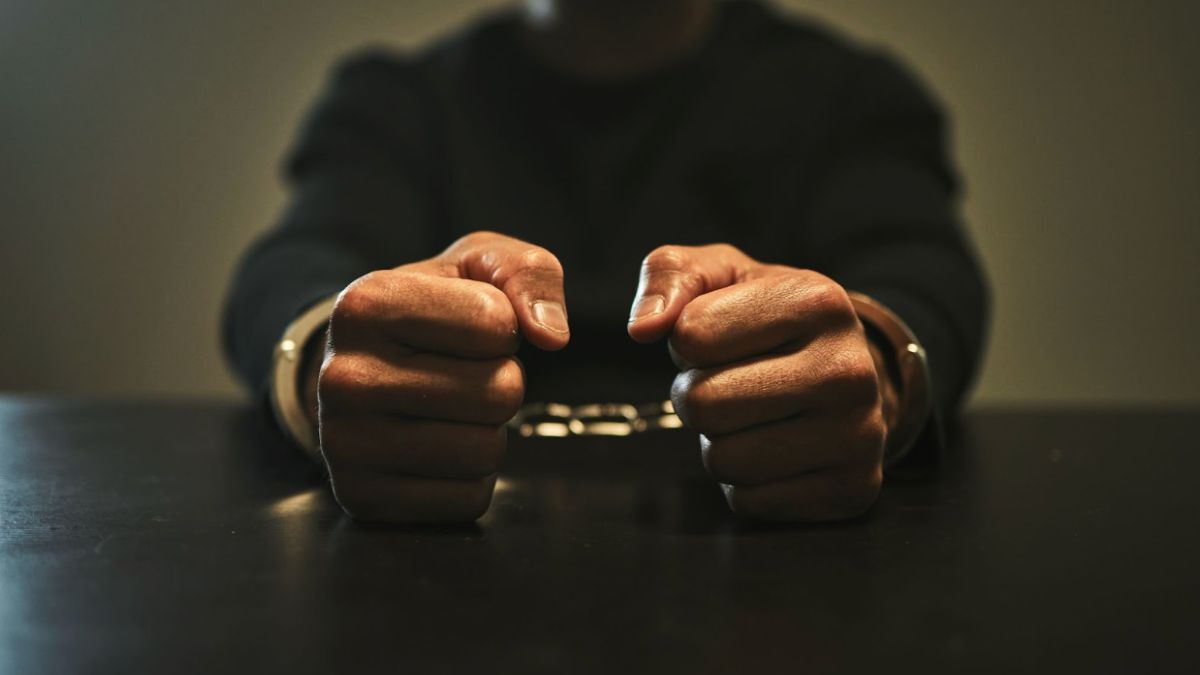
903	374
293	377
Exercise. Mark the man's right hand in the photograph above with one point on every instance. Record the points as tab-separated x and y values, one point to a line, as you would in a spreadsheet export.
419	378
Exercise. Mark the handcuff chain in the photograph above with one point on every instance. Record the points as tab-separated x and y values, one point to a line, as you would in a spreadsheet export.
557	420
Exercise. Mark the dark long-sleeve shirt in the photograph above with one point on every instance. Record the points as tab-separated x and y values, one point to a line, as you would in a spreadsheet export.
775	136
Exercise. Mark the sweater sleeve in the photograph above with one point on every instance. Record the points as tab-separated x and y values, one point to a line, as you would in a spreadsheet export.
359	178
884	221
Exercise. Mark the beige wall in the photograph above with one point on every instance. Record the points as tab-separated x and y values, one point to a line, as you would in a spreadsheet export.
139	143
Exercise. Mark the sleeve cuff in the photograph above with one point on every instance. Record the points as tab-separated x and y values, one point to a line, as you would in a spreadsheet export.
284	381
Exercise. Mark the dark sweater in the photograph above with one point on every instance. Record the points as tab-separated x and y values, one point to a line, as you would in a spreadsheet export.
776	137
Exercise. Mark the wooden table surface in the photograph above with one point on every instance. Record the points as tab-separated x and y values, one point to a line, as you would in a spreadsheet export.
184	536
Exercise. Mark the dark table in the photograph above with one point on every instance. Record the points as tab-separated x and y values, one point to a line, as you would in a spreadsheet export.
185	536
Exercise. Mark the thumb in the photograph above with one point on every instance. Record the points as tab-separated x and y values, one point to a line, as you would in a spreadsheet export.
672	276
530	276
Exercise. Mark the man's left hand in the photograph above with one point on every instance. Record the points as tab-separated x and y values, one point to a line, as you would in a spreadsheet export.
778	377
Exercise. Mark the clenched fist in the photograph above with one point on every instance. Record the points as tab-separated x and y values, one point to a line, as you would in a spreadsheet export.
778	377
419	377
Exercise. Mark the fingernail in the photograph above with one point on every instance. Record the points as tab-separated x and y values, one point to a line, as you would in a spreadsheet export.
550	315
651	304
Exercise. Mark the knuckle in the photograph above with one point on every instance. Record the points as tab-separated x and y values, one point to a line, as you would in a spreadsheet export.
339	380
689	320
727	249
827	298
694	397
363	297
538	259
472	241
357	300
674	261
691	282
853	373
505	392
667	257
495	313
690	335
